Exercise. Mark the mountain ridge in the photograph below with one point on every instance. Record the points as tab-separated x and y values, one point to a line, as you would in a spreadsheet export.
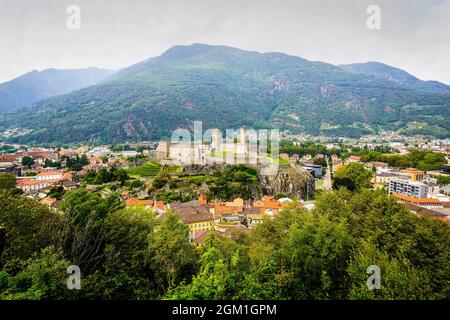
397	75
226	87
37	85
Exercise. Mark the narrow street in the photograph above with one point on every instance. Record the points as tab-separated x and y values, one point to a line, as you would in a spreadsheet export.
327	179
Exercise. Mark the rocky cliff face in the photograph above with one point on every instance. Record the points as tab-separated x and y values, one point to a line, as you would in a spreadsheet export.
292	181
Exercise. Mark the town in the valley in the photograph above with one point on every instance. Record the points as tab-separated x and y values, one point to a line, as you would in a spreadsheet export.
160	176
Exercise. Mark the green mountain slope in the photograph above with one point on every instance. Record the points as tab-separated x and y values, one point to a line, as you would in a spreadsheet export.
37	85
396	75
226	87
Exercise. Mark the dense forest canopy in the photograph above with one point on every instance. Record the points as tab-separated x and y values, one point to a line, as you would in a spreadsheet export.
225	87
127	253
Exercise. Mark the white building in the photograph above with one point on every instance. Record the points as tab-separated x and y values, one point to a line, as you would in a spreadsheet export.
188	153
28	185
98	152
412	189
52	175
129	153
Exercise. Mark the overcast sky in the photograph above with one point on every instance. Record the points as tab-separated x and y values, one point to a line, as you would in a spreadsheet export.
414	34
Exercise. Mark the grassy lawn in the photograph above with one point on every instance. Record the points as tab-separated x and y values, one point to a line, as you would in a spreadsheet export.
222	153
279	161
173	170
319	184
149	169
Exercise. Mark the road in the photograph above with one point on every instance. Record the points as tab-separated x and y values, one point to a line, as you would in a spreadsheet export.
327	179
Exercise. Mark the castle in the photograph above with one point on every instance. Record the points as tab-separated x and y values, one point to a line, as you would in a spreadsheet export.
241	148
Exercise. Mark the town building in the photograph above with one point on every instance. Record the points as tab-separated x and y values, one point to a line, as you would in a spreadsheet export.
445	190
135	202
353	159
421	202
430	213
412	174
197	217
50	175
314	169
155	205
42	180
413	189
242	150
28	185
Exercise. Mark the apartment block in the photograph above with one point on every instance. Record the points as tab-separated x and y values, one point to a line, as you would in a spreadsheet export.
412	189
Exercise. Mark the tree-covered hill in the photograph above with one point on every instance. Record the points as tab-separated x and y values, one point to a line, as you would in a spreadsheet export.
130	254
396	75
226	87
36	85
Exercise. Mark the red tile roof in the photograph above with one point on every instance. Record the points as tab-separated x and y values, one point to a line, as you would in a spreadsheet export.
137	202
417	200
191	213
201	235
29	182
49	173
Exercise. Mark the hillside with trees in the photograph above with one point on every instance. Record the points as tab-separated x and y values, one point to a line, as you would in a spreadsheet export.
127	253
34	86
225	88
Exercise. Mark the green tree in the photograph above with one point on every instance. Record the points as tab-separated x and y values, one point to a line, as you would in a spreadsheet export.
27	161
224	273
316	253
57	192
301	255
399	279
124	274
43	278
170	252
136	184
431	161
158	183
388	226
353	176
126	233
28	226
81	237
7	181
117	284
443	180
172	184
320	161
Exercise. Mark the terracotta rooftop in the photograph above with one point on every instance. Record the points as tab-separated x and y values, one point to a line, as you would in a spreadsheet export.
39	154
160	205
9	156
29	182
417	200
428	212
191	213
201	235
236	229
49	173
137	202
220	210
